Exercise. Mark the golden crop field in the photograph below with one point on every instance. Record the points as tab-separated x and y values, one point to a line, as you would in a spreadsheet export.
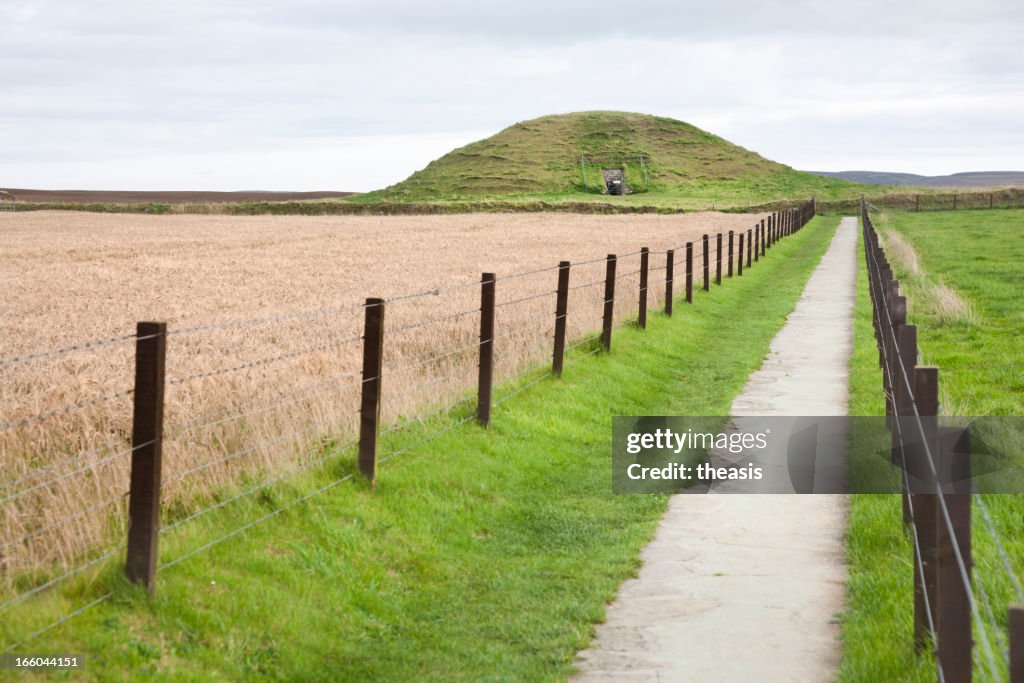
263	354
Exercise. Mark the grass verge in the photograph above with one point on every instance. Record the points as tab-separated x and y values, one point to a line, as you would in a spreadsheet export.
978	255
481	555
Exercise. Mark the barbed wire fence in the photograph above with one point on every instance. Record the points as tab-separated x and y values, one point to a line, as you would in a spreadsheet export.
952	608
156	473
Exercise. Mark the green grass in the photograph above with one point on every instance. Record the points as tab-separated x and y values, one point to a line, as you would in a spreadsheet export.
981	255
481	555
978	254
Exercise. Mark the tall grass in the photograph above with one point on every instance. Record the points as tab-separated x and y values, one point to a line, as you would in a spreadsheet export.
251	398
480	550
928	294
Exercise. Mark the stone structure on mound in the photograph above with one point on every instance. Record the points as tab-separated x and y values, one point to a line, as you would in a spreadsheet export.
615	181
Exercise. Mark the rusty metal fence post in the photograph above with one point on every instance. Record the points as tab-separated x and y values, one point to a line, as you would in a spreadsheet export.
147	453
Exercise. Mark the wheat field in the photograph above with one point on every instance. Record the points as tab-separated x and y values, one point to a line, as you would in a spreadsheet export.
264	321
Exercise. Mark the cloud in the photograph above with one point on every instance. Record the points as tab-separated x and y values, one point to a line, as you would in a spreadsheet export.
353	96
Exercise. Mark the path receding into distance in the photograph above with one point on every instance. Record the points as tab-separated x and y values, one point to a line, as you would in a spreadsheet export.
747	587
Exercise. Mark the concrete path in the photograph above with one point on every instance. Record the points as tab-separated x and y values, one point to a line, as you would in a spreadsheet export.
746	587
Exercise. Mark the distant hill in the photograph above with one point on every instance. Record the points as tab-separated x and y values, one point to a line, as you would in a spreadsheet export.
976	179
542	158
164	197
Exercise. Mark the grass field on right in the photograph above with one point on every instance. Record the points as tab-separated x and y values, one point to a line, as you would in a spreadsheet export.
962	276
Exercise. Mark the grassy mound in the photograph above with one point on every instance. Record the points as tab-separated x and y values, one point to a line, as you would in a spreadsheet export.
541	158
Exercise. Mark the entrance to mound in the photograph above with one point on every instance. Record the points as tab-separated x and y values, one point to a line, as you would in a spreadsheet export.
620	173
615	180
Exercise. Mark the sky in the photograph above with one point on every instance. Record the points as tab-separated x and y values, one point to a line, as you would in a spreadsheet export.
354	96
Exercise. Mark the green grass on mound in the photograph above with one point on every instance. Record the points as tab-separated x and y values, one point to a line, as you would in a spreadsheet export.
482	554
540	160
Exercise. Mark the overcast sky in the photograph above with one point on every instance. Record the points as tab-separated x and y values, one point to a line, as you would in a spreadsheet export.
303	95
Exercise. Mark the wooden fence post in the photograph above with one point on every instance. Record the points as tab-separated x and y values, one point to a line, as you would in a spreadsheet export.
485	377
561	313
739	261
926	507
718	259
953	611
764	238
757	241
609	302
147	453
369	410
707	256
670	265
645	260
990	201
750	244
731	236
1016	619
885	337
902	400
689	272
893	320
